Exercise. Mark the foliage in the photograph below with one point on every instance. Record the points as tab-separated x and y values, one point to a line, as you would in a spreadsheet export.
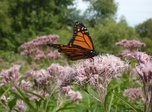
101	10
145	34
24	19
105	36
145	29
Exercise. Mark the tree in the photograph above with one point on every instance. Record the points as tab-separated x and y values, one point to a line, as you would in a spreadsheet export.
107	35
101	10
145	29
145	33
29	18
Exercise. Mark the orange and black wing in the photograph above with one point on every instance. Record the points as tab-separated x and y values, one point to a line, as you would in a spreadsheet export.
73	53
80	46
81	38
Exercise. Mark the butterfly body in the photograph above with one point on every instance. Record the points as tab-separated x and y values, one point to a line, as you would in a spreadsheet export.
80	46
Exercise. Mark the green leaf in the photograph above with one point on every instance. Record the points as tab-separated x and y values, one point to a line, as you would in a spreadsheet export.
23	97
127	103
12	103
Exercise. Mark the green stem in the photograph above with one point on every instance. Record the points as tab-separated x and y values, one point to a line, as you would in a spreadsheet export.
109	107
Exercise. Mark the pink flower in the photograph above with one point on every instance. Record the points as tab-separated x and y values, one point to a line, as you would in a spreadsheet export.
25	85
142	57
20	106
145	71
39	54
53	55
4	98
71	94
74	95
38	92
39	41
99	70
34	47
55	70
66	76
62	74
139	56
42	77
130	44
133	93
127	54
29	74
144	67
10	76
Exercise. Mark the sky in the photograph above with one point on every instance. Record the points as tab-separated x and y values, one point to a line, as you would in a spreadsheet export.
134	11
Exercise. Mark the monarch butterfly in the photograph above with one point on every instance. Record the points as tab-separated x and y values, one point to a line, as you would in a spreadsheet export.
80	46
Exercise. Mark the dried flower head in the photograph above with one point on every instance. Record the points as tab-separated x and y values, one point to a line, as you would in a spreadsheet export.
10	76
133	93
130	44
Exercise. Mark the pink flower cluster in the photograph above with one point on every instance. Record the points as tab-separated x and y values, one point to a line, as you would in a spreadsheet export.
143	69
39	41
71	94
10	76
62	74
38	92
54	54
139	56
35	47
20	106
130	44
134	93
99	70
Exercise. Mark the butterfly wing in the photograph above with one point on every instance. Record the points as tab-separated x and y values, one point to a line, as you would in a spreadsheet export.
81	38
80	46
72	53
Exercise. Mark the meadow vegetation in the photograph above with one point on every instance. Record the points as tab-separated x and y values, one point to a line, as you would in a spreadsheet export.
35	77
